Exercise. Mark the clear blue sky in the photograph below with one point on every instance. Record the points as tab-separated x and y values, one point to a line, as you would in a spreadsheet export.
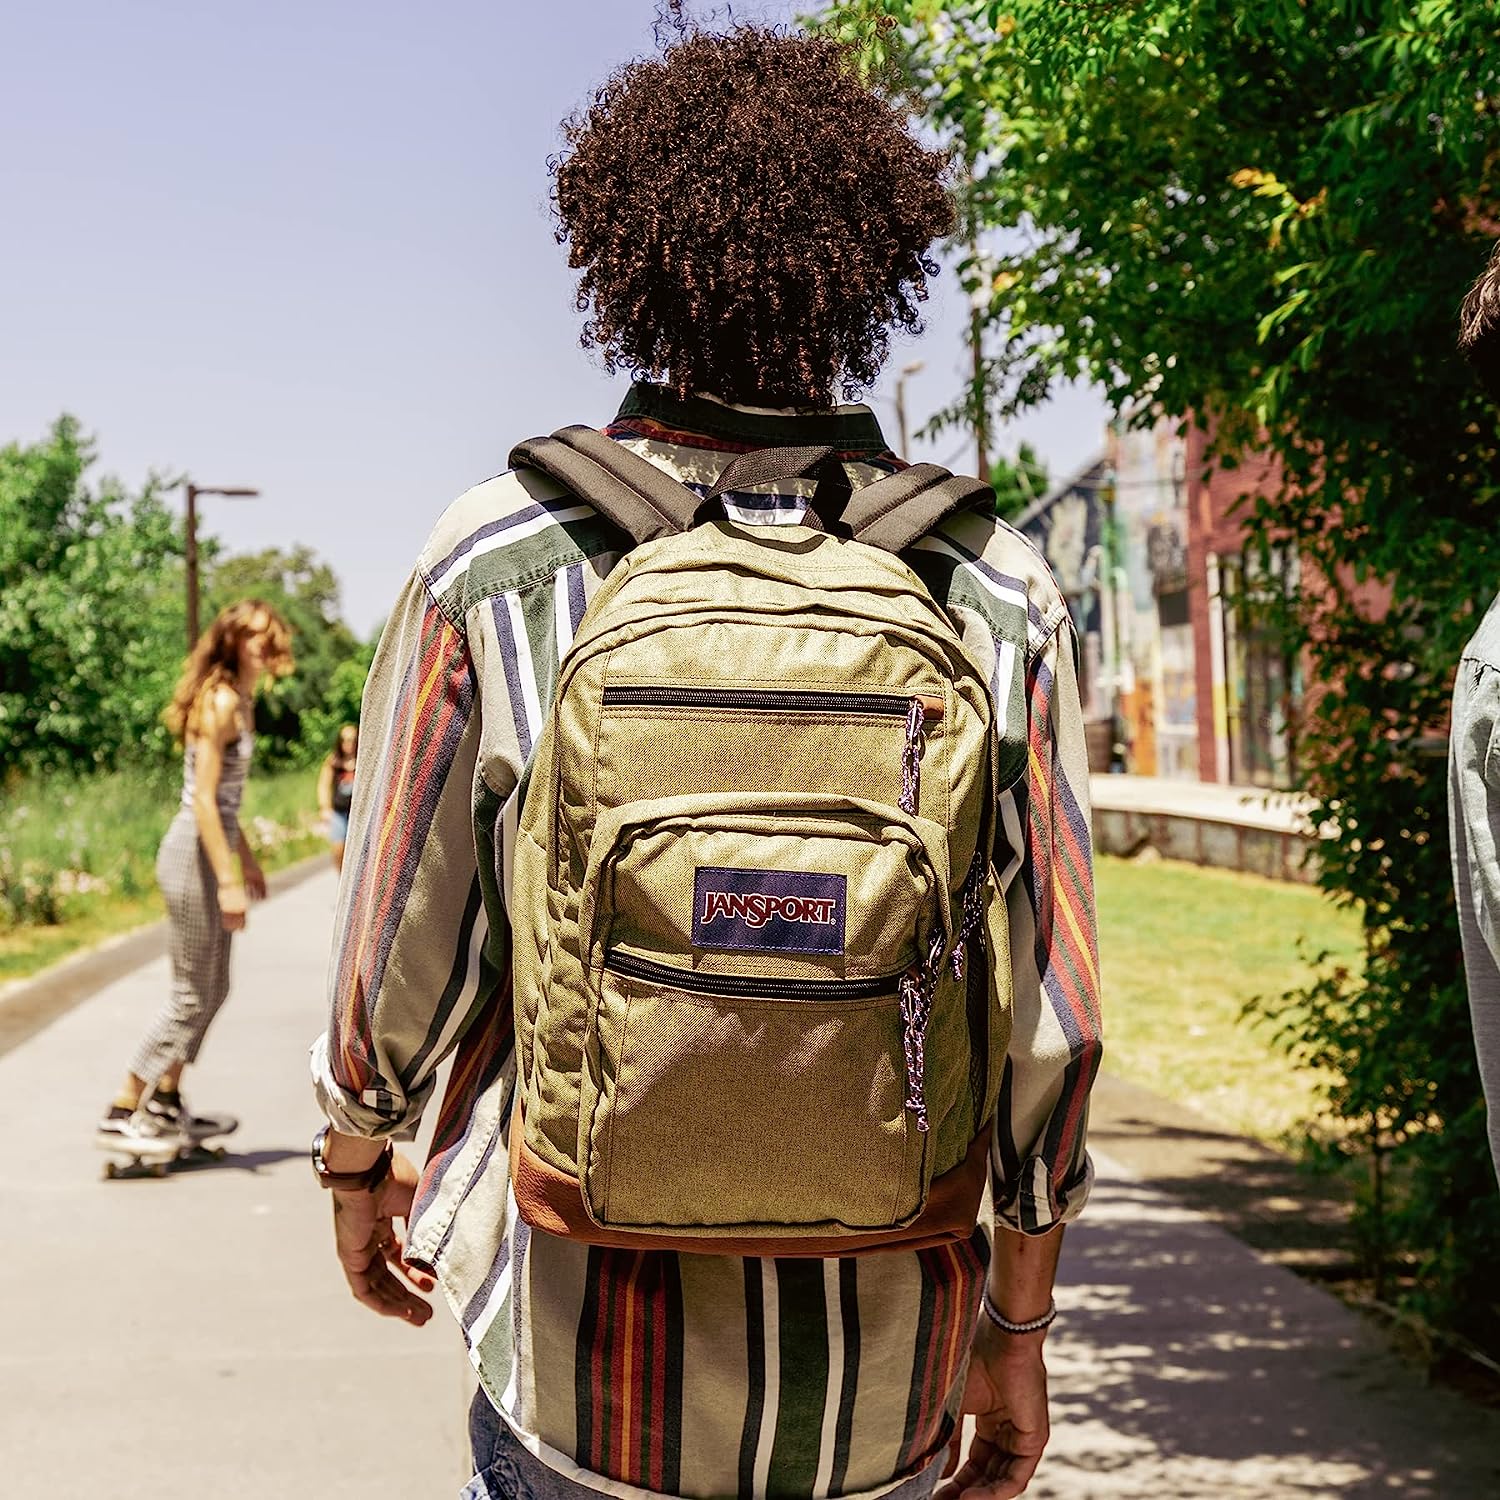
305	247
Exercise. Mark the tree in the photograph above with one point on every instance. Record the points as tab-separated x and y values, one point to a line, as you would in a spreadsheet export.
1263	213
1019	482
297	716
91	610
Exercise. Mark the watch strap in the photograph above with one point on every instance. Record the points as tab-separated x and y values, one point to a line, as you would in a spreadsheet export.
366	1181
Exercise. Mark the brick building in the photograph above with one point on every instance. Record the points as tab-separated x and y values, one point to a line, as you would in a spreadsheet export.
1177	678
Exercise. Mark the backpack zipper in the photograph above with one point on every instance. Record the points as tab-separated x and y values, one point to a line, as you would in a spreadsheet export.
916	709
749	986
770	700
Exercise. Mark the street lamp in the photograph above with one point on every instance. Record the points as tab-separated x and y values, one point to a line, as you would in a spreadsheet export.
913	368
193	491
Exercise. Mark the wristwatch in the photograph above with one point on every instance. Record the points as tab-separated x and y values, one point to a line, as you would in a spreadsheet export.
368	1180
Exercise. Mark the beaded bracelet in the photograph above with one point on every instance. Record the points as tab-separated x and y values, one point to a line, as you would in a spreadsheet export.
1005	1325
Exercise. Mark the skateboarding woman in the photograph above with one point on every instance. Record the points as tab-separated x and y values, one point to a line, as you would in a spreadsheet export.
206	887
336	790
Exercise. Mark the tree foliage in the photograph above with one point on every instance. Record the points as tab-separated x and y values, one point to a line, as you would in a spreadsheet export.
93	620
1018	482
297	716
1264	213
91	610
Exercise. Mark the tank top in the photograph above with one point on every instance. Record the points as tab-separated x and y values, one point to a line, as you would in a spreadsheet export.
343	786
233	769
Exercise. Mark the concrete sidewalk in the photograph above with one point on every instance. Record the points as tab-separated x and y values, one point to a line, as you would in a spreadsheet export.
192	1336
175	1339
1185	1367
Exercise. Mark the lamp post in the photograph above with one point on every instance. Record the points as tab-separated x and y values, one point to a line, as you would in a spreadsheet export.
191	550
906	370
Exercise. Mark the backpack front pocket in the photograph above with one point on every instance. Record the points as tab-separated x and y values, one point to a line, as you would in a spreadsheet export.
746	1056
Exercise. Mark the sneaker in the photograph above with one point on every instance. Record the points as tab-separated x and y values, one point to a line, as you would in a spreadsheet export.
138	1131
174	1114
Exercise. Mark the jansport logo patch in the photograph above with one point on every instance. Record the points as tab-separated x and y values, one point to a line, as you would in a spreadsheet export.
779	910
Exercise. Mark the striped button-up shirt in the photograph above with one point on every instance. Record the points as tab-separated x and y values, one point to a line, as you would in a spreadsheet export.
683	1374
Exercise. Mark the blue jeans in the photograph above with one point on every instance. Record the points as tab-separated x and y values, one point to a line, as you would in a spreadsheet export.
504	1469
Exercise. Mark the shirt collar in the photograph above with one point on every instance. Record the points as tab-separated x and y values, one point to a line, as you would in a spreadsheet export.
846	429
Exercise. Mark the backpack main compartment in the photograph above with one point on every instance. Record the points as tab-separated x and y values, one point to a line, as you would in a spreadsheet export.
761	967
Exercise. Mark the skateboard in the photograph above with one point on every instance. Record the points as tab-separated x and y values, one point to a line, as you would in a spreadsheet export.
139	1161
135	1161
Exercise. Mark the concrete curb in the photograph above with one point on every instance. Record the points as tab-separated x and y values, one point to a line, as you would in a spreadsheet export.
28	1006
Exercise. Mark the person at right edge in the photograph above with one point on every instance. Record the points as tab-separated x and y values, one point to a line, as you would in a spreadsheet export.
751	223
1474	756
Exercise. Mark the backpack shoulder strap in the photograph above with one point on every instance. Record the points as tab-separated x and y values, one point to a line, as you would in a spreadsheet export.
638	497
894	512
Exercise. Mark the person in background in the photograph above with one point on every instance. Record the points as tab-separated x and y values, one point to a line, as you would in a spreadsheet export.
1474	755
336	790
206	871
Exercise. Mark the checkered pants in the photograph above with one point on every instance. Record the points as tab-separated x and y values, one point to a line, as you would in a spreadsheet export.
199	949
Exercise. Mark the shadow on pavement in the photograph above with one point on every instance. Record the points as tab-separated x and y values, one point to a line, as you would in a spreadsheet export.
1185	1366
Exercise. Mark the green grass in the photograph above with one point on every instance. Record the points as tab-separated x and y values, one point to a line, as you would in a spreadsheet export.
77	854
1182	948
1181	951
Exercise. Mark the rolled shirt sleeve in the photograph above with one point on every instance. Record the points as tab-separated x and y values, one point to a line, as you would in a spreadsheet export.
1040	1169
414	952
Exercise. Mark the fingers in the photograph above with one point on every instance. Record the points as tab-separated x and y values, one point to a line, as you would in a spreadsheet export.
991	1473
376	1288
391	1248
1022	1468
368	1248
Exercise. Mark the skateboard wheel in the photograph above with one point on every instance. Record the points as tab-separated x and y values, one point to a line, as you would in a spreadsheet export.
110	1173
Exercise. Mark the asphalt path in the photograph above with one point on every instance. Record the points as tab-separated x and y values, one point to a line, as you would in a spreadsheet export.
190	1337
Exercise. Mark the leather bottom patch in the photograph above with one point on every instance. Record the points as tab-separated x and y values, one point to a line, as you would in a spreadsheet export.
552	1201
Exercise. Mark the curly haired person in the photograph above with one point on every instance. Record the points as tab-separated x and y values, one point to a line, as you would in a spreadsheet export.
1474	754
751	224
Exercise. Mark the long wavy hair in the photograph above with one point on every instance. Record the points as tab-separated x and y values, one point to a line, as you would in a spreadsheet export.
1479	326
215	659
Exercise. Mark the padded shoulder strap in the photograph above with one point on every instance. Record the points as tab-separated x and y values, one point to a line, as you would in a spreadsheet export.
637	496
892	513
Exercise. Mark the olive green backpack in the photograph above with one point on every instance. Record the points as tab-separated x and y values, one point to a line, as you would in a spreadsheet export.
761	969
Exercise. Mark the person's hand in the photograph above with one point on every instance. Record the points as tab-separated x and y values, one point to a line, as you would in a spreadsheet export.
369	1249
1006	1391
232	907
255	877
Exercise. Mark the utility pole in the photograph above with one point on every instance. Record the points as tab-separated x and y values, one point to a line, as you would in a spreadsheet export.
981	402
190	551
906	370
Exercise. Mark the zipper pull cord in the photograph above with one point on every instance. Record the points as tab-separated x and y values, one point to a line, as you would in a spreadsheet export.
911	757
971	904
917	988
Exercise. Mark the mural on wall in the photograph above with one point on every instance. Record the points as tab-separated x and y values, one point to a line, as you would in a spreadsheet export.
1115	537
1158	686
1068	529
